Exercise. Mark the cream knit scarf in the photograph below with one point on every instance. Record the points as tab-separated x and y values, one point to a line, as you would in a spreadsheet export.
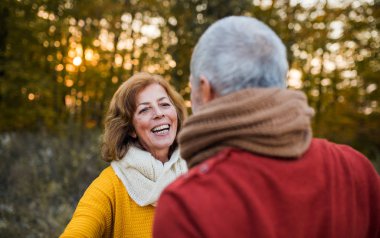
270	121
145	177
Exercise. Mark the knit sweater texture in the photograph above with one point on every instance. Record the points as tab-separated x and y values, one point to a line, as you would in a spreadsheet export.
106	210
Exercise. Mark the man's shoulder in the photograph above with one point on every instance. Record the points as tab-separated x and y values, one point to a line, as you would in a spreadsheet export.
336	150
341	155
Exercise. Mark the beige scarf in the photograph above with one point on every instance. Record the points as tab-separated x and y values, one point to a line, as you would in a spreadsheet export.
145	177
273	122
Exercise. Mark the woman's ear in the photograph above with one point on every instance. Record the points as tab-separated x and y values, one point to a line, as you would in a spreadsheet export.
133	134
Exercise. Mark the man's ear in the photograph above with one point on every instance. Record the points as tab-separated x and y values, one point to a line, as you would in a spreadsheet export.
207	93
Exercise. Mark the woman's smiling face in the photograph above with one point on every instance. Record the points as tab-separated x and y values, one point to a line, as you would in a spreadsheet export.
155	120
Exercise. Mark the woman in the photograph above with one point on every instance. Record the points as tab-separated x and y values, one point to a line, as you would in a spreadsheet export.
142	123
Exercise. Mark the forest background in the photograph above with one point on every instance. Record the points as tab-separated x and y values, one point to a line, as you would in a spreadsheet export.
61	61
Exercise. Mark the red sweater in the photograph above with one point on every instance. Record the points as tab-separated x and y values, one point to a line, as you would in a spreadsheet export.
331	191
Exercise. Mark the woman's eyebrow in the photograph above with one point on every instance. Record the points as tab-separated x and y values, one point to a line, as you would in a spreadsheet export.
147	103
162	98
143	103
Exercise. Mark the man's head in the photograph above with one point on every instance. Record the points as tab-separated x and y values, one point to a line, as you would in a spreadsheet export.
236	53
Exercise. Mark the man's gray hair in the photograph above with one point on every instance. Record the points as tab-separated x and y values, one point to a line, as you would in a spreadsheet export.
239	52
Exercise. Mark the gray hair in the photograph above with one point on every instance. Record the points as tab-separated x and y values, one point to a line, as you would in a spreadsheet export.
239	52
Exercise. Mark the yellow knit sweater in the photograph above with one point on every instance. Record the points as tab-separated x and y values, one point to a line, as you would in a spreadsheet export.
106	210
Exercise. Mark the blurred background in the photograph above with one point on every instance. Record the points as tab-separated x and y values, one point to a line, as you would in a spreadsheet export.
61	61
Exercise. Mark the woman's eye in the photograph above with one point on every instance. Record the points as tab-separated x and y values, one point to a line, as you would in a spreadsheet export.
143	110
165	104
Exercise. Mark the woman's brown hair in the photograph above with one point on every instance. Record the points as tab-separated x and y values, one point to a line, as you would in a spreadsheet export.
118	122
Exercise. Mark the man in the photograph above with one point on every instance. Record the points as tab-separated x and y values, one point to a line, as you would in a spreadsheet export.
256	171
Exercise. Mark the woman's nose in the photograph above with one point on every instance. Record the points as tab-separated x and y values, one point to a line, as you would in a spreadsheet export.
158	112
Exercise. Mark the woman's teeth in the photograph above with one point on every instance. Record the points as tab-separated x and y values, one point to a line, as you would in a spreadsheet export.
161	129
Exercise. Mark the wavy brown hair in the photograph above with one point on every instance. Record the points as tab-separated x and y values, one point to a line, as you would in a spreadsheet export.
118	122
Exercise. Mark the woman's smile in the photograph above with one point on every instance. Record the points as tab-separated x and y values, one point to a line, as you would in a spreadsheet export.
161	130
